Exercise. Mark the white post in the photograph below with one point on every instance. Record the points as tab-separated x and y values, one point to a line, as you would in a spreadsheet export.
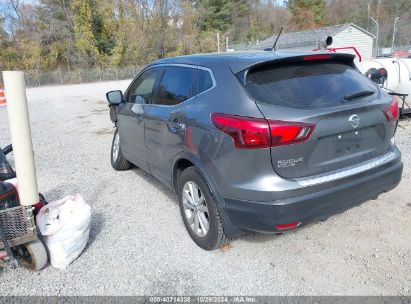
378	27
393	35
377	38
218	42
226	44
21	137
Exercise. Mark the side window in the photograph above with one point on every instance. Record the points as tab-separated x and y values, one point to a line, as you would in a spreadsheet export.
205	81
142	90
176	86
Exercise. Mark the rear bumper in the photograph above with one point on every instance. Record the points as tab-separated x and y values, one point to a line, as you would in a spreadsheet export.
264	216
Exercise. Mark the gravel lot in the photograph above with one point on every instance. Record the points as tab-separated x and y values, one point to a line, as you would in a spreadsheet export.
138	243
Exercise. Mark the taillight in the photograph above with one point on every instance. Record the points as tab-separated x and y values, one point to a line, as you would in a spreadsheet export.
392	112
286	133
248	132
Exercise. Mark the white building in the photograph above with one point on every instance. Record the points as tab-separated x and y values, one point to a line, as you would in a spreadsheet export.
343	35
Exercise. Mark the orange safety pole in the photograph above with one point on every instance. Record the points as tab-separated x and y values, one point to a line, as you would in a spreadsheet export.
2	96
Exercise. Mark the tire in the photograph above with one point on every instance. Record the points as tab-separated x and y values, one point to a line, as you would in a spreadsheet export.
194	215
33	255
118	162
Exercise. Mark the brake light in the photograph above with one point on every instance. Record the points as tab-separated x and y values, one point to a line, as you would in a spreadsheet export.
392	112
248	132
317	57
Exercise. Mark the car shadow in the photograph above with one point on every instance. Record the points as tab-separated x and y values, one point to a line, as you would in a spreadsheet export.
248	236
258	237
150	179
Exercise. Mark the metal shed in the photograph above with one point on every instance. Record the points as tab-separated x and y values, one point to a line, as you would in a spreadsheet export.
343	35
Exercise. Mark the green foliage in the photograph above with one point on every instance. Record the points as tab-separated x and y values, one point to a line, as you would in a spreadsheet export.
216	14
85	40
68	34
307	13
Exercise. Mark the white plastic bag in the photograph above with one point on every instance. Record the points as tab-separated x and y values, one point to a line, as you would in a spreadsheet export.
65	226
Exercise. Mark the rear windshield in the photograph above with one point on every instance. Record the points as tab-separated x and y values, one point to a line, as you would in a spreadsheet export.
306	85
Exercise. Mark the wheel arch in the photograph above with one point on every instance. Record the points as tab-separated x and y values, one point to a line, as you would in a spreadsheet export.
183	161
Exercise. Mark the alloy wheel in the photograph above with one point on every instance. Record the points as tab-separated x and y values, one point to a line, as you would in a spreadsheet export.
116	146
195	209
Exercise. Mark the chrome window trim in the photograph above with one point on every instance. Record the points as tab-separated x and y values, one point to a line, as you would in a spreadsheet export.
350	171
195	67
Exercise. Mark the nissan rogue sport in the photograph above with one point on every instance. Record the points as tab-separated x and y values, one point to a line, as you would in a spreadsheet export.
260	141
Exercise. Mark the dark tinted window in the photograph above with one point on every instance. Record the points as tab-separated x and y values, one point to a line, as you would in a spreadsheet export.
306	85
142	89
176	86
204	81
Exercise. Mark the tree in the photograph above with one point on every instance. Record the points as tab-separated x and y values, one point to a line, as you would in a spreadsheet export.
57	33
85	40
307	13
70	34
215	14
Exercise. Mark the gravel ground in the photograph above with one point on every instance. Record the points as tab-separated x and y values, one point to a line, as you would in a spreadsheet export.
138	244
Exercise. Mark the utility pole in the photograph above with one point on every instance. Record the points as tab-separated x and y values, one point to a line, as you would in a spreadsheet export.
368	15
393	35
218	42
378	28
378	9
377	36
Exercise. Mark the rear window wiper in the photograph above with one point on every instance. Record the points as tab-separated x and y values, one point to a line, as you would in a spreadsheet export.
357	95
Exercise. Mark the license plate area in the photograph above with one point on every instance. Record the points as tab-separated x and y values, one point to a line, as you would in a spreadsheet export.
349	143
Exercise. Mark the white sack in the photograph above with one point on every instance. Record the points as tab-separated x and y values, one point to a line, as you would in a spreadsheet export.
65	226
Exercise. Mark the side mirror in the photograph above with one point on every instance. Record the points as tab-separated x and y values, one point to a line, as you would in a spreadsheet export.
114	97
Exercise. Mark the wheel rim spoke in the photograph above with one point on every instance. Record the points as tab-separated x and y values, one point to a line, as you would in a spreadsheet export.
188	205
116	146
203	223
196	224
201	200
194	193
202	208
188	199
190	219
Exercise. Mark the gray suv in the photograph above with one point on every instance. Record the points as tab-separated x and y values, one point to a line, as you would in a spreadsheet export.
261	141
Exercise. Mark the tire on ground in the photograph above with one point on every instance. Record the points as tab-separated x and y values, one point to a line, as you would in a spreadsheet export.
216	236
120	163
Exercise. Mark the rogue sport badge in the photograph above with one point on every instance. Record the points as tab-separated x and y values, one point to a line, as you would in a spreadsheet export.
354	120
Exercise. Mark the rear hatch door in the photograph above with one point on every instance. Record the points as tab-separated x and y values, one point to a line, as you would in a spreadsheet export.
342	105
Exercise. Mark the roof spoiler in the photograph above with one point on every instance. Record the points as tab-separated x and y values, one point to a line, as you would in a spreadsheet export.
341	57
